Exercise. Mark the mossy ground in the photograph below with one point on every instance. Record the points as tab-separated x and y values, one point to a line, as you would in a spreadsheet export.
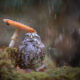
8	70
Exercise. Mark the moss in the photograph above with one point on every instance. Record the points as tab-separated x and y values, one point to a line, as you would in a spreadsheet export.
65	73
36	76
8	70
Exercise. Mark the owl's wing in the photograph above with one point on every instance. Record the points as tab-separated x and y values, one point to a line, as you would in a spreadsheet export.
21	47
43	51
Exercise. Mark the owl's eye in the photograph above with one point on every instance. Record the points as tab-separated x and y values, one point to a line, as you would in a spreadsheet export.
37	37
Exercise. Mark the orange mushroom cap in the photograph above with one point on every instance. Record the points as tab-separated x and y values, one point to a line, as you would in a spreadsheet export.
19	25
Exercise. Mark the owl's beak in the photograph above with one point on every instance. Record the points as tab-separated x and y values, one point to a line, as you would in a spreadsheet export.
31	36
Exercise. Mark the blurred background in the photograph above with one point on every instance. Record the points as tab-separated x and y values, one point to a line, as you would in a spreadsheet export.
56	21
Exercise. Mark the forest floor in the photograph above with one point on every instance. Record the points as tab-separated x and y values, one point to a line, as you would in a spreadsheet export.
8	71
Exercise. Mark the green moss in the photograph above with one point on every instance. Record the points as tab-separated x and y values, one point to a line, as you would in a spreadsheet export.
65	73
9	72
36	76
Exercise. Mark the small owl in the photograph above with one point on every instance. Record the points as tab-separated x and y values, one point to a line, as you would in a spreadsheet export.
32	51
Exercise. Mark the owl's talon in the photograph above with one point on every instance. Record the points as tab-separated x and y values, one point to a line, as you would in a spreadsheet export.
42	68
23	70
28	70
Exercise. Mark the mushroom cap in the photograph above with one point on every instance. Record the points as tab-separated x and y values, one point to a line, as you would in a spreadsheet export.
19	25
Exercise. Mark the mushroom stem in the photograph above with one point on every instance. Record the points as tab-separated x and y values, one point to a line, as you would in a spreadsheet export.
14	38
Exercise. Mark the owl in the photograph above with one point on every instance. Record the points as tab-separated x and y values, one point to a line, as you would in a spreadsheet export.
32	51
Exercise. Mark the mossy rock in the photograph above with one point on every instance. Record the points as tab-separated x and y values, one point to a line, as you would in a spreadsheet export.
8	70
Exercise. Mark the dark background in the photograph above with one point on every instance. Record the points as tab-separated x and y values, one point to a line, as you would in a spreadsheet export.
54	20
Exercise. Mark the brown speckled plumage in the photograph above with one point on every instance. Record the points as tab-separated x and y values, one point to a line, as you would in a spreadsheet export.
32	51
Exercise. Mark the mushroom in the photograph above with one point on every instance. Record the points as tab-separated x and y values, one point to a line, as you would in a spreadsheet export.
18	26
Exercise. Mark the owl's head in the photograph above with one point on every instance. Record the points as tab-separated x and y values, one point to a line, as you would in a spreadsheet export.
32	37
